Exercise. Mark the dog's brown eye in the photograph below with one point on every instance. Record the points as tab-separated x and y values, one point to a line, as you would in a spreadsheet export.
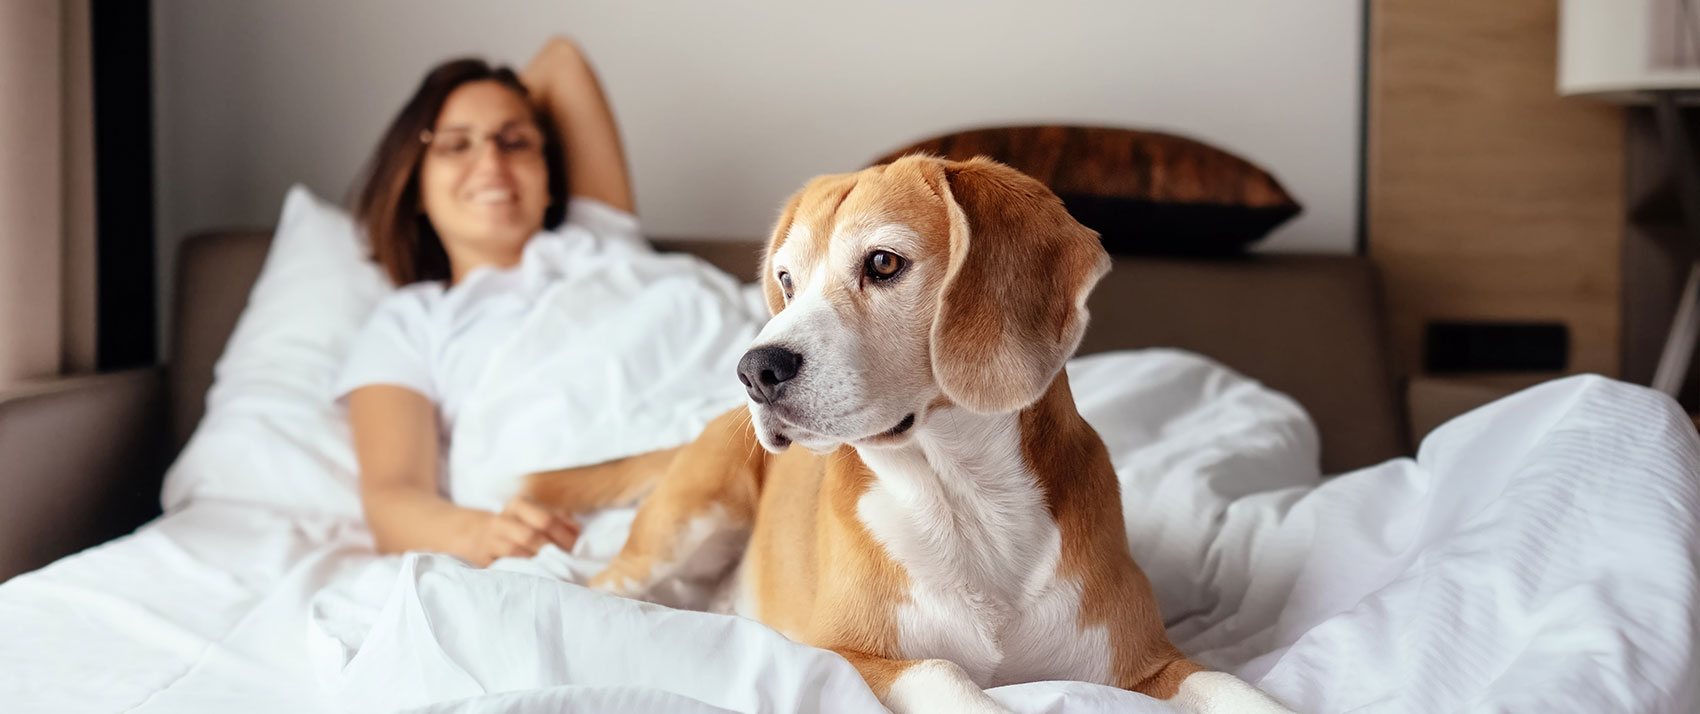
785	283
883	265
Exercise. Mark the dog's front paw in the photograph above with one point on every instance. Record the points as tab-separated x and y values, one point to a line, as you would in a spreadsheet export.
938	686
1222	693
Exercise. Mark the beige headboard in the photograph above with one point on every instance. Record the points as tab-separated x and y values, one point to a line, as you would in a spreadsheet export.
1309	326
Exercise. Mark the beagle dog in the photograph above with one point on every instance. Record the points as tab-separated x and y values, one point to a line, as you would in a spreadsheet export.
951	522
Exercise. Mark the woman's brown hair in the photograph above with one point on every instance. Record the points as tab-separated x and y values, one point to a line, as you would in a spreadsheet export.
402	238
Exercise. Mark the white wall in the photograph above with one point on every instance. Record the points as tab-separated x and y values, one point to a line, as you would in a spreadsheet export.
726	107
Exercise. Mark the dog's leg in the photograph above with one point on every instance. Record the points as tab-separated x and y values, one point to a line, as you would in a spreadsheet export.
621	482
702	508
1142	657
1206	692
922	686
1194	689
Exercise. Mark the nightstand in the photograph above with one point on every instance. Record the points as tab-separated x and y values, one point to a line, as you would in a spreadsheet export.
1433	400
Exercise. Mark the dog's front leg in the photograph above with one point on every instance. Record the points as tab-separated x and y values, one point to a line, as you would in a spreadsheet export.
1207	692
694	524
621	482
922	686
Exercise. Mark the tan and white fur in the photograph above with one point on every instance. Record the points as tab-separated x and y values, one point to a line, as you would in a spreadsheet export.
951	523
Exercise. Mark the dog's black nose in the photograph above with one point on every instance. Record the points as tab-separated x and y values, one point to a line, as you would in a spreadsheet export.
763	369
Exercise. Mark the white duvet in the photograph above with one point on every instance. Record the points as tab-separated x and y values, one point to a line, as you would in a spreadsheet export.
623	352
1537	556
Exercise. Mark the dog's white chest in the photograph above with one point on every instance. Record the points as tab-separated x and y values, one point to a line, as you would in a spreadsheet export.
981	553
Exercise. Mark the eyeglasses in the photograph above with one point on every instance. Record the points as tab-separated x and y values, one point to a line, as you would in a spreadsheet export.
512	142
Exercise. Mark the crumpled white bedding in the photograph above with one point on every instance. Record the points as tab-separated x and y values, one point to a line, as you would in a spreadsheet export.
1538	555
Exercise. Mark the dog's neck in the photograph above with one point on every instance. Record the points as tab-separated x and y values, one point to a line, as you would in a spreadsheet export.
956	450
962	498
978	452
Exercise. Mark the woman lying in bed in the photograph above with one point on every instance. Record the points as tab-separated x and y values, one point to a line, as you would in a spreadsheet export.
478	164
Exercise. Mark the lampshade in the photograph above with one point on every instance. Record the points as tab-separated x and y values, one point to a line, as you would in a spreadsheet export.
1620	49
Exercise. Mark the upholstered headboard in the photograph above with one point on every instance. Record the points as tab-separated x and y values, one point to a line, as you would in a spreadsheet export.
1309	326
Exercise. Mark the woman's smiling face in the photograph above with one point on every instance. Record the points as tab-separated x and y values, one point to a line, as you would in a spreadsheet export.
483	181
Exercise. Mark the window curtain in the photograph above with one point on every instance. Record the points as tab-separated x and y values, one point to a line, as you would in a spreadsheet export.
46	190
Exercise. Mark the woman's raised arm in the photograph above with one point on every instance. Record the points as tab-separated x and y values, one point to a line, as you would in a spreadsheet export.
562	81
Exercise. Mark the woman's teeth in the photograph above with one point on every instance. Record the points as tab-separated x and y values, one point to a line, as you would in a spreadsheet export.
493	195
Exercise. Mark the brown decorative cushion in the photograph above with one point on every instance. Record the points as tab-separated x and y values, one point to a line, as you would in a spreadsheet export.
1144	192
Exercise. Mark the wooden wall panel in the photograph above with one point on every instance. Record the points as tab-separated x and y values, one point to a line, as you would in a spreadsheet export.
1489	196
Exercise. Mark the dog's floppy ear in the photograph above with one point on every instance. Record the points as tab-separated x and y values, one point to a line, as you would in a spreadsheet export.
1012	308
769	282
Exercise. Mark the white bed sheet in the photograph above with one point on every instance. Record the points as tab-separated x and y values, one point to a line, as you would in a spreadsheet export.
1538	555
201	610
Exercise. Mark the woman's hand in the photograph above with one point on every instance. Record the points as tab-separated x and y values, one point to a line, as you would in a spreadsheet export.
520	530
396	440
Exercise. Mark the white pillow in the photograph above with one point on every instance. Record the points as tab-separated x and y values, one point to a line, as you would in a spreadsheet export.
272	432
